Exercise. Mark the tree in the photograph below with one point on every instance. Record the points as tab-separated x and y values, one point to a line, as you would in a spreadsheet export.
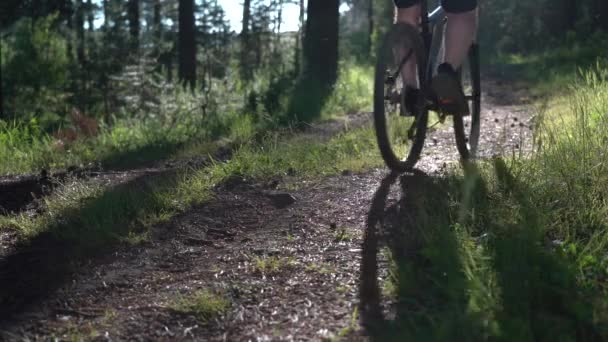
370	26
600	14
245	68
1	84
91	15
157	25
321	41
299	39
133	15
80	49
187	43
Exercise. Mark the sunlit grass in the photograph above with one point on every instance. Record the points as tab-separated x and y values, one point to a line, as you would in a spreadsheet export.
205	305
352	92
24	148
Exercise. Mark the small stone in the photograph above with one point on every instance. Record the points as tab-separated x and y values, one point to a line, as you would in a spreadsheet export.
496	120
515	119
521	124
512	125
281	199
333	225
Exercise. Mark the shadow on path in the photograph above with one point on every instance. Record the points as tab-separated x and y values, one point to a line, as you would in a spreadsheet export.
36	269
439	265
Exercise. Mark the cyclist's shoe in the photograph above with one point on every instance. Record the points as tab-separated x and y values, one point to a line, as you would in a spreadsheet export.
448	91
410	101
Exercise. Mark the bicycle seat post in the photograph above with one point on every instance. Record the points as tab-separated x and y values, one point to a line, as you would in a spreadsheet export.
424	22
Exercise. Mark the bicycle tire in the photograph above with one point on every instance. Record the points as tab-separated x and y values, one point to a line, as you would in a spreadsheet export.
470	77
409	37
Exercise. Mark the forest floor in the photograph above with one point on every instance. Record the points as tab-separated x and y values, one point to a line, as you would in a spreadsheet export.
261	261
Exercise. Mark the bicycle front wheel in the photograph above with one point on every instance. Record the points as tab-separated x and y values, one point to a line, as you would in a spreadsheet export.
400	137
467	131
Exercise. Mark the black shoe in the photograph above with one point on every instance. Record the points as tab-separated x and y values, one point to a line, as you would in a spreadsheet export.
408	108
448	91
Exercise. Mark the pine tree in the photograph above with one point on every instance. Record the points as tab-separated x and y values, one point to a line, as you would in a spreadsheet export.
134	24
187	43
321	41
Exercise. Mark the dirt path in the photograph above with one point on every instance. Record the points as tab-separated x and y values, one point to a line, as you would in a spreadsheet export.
289	270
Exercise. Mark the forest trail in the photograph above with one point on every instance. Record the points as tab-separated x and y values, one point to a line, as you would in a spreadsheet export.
278	264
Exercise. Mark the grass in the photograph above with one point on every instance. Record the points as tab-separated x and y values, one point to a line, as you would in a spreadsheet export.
344	235
271	265
322	268
553	70
205	305
24	147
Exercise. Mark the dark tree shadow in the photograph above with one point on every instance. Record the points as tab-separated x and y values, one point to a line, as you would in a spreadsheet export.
415	244
36	269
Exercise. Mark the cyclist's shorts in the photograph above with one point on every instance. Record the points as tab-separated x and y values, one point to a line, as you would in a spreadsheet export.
450	6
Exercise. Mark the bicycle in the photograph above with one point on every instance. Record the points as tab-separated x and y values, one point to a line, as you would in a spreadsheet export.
425	43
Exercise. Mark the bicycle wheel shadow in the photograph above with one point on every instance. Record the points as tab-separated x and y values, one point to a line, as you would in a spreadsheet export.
418	264
420	277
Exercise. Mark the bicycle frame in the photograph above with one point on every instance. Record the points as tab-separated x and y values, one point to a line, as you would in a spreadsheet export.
432	29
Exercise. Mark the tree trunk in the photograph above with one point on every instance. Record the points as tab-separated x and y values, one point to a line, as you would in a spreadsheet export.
80	49
70	39
106	15
571	14
158	34
246	69
1	86
321	42
90	15
133	15
299	40
370	23
601	14
278	25
186	43
158	29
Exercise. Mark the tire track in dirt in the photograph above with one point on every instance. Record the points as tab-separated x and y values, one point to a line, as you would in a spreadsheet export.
312	295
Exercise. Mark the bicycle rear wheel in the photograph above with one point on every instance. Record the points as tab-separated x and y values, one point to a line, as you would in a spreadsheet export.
393	130
467	134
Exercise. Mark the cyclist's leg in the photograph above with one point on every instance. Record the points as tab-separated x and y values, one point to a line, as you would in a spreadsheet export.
460	33
461	29
408	11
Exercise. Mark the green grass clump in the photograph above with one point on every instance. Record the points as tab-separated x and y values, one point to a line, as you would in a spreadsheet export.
205	305
271	265
24	147
305	155
353	91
